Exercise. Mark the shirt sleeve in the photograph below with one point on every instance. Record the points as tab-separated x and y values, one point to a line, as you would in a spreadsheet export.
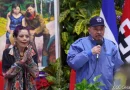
9	67
32	68
77	55
117	59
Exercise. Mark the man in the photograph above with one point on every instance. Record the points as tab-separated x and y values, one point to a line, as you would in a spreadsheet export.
94	55
36	23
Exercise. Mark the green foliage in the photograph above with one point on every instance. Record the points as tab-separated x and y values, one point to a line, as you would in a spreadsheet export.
56	76
74	18
84	85
6	6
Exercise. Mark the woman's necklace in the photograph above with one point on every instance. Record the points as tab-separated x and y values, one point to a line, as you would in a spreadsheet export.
21	55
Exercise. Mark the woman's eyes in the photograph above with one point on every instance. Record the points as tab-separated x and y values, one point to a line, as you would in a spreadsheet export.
24	36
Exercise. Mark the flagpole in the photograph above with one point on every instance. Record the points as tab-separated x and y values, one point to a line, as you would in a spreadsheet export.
57	31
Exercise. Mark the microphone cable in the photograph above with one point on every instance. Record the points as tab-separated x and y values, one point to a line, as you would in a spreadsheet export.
98	42
94	69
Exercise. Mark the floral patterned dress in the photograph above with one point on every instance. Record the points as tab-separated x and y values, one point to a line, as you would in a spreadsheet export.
17	76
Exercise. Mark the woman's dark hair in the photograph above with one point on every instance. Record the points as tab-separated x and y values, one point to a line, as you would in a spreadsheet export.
30	5
14	5
18	29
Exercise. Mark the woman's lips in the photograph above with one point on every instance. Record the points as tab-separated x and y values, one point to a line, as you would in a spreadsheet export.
24	42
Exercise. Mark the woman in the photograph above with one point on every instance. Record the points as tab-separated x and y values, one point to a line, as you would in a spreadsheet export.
14	19
19	62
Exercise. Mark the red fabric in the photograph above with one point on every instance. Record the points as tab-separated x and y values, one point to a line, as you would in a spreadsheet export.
32	17
124	32
0	68
72	79
126	13
1	78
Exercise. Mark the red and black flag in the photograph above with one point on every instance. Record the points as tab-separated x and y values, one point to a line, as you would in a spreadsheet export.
124	32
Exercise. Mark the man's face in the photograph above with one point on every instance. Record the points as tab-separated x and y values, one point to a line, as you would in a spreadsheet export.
97	32
31	10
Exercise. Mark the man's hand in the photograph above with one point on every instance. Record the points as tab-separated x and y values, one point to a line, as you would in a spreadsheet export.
96	49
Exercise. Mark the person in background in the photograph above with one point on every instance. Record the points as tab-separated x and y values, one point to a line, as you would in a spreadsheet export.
19	63
94	55
14	19
38	28
122	78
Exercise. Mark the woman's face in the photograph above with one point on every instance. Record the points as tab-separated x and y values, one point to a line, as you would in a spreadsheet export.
22	40
16	10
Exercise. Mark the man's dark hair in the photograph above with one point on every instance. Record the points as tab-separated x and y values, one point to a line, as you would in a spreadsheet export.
30	5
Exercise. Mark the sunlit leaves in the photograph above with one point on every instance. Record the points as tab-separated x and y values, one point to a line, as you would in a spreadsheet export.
3	22
84	85
63	15
79	26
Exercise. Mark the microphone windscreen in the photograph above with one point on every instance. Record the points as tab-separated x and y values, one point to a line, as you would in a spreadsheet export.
99	42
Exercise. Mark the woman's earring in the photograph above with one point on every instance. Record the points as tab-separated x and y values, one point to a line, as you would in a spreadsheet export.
14	43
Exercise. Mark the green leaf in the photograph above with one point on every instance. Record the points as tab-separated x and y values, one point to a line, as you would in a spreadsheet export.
83	12
50	79
85	29
65	36
79	26
68	45
63	43
96	78
63	15
97	84
69	27
50	70
66	51
82	85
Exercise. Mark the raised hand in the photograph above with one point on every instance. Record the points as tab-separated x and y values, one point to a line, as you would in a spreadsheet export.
96	49
27	55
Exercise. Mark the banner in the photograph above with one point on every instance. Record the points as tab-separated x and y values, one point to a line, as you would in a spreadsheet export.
49	10
124	33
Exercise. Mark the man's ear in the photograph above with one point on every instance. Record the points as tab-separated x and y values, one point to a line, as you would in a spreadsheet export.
88	28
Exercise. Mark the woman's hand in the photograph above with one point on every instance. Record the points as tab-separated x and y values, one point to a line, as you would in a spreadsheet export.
27	55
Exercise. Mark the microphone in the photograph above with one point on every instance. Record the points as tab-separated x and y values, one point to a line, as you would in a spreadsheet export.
99	42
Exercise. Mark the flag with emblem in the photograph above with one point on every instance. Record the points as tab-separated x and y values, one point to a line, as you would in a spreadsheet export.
124	32
109	16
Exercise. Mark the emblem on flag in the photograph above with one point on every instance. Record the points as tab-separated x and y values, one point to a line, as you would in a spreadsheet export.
124	33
